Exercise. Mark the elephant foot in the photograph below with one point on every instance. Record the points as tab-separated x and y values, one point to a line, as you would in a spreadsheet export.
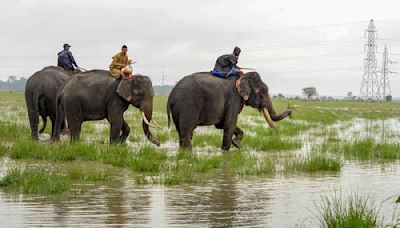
236	142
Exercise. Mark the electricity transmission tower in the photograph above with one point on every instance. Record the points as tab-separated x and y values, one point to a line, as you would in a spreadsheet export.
386	90
370	85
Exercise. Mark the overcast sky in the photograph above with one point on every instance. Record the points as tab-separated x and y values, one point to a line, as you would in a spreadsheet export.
292	44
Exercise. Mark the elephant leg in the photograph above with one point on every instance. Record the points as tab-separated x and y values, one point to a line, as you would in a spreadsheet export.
238	134
185	138
227	138
238	137
125	132
75	128
186	127
115	130
229	130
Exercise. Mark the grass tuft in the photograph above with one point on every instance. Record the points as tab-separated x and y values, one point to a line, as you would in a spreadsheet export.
366	149
315	162
336	210
34	182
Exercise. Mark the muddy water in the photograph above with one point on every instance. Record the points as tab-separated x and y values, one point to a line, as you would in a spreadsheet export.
225	200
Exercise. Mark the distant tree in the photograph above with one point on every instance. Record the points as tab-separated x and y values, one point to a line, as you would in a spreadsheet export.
388	98
310	91
11	79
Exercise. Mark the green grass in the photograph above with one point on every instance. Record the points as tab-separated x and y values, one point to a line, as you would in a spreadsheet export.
34	182
270	143
366	149
244	164
11	131
188	167
202	140
42	181
351	211
314	162
28	149
3	149
76	173
148	159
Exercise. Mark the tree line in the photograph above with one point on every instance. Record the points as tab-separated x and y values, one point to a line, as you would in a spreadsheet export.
12	83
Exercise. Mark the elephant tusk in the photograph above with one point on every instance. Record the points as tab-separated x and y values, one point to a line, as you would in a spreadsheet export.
155	124
267	117
147	122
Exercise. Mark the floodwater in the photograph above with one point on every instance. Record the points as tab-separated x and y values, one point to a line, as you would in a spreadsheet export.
224	201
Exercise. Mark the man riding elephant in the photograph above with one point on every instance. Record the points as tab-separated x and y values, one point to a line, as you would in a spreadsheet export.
201	99
119	62
65	59
226	65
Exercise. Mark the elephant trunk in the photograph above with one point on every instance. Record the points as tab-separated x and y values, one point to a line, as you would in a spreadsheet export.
269	111
147	112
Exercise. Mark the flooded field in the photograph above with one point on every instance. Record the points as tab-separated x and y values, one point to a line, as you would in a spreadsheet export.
278	178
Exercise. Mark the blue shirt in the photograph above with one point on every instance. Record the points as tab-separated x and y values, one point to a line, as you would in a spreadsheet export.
66	60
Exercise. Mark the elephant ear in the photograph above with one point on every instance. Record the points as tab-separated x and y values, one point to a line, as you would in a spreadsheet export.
125	89
244	88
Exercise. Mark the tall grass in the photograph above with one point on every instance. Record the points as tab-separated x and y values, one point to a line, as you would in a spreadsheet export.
270	143
244	164
28	149
336	210
188	167
314	162
365	149
40	181
34	182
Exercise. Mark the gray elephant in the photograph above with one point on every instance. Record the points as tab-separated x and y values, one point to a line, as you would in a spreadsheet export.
40	95
96	95
203	99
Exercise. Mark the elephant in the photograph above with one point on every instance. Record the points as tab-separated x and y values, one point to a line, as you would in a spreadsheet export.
40	95
202	99
96	95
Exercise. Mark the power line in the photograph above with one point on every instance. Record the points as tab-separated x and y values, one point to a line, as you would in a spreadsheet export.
305	27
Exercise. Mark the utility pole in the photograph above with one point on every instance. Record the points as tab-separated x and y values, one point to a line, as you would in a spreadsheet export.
163	78
386	90
370	85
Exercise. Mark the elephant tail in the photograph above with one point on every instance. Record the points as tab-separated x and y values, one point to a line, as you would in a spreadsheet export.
32	103
59	118
169	115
